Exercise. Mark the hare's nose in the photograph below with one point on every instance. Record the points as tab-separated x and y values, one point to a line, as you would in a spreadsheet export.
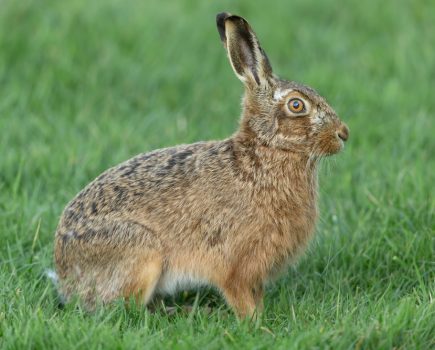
343	132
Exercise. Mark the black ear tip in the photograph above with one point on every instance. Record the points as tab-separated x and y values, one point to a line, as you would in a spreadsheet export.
220	22
221	17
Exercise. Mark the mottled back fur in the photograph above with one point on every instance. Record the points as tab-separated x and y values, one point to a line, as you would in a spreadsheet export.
228	213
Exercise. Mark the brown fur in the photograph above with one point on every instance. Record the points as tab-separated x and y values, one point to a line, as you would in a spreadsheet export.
229	213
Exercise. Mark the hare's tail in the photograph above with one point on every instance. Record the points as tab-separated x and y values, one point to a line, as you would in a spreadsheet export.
52	276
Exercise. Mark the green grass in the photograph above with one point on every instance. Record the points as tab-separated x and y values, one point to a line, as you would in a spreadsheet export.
85	85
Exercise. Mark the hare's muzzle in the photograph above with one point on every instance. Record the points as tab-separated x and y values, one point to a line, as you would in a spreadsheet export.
343	132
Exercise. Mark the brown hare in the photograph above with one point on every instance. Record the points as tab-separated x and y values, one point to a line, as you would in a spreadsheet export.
231	214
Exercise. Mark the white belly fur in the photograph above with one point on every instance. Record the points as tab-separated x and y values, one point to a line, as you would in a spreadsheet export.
172	282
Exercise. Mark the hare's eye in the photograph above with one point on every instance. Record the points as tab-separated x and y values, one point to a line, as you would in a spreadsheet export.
296	105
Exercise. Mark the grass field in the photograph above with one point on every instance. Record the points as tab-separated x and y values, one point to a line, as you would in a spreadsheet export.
85	85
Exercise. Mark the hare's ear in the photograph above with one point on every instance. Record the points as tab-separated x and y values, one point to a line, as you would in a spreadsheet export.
247	58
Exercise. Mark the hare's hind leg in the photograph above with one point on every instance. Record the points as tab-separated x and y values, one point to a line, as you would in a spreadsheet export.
143	278
102	260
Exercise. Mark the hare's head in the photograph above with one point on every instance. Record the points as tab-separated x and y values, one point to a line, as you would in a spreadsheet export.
278	113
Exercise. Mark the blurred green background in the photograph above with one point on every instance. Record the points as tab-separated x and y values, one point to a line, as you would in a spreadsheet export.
85	85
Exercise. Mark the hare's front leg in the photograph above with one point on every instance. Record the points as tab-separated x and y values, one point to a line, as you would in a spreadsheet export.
258	297
246	298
